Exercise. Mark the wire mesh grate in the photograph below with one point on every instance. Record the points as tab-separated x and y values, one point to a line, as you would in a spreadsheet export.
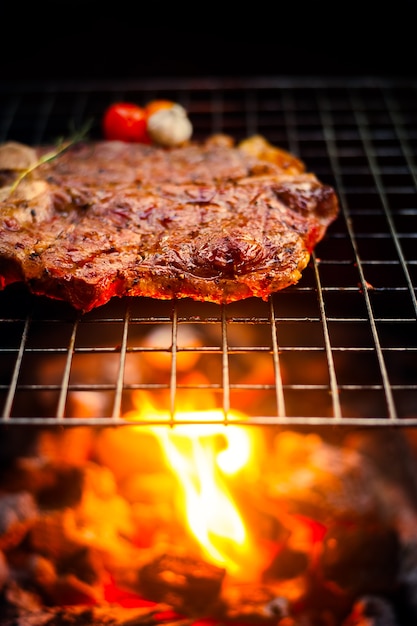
338	348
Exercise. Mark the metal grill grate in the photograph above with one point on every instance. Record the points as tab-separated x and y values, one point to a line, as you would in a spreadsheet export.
338	348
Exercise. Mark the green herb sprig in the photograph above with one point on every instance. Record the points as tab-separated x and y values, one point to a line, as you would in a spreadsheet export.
62	146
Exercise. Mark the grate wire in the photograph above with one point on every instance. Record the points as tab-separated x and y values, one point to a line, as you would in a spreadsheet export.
63	393
173	379
329	134
330	363
331	350
15	375
225	366
280	399
117	406
399	125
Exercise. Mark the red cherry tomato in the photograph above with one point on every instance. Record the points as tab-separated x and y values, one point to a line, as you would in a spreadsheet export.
125	121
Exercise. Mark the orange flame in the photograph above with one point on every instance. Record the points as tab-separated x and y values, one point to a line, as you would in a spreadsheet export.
204	453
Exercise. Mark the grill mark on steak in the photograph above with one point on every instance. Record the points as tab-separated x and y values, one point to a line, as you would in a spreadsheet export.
211	221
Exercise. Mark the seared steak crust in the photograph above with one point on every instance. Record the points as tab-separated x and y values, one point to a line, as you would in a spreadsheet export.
213	221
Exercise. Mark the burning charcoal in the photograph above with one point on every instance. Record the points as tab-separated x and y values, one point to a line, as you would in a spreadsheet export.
24	474
68	446
73	582
31	571
63	488
371	611
70	590
91	615
79	567
86	564
53	535
260	602
150	488
4	571
54	485
101	519
17	513
396	477
186	583
20	600
254	604
361	558
102	509
118	449
41	573
408	582
385	448
13	443
288	564
318	479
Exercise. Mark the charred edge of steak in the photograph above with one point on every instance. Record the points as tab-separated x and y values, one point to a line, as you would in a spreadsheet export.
85	296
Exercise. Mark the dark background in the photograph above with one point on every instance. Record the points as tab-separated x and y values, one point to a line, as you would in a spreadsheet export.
90	39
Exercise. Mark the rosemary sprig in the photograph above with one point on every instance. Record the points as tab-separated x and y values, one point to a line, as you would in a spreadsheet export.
62	146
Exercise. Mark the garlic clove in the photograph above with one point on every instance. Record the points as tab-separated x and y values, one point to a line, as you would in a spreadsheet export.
170	126
16	156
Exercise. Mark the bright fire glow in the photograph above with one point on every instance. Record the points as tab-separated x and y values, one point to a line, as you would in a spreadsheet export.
203	456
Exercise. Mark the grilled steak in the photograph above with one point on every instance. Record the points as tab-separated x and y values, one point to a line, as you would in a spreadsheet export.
214	221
